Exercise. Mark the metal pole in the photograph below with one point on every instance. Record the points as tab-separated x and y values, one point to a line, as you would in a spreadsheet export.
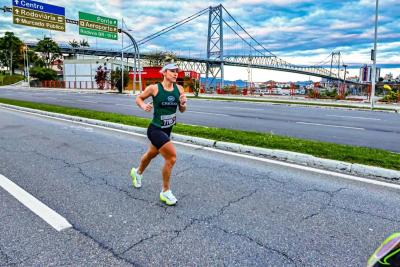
136	58
221	45
24	64
122	60
373	76
27	66
208	65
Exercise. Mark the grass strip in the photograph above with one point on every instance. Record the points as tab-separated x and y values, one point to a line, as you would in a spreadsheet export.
7	79
289	102
353	154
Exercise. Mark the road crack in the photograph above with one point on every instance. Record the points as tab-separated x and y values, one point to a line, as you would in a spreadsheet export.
324	206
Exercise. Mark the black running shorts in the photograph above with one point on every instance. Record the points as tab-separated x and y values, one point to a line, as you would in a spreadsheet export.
158	136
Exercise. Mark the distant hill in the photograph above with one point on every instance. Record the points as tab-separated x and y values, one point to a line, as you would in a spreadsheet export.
241	83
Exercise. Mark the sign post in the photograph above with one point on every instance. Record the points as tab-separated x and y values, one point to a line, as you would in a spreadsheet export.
39	15
98	26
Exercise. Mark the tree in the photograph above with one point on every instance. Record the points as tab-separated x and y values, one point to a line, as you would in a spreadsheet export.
33	59
10	45
73	43
84	43
116	80
49	49
159	58
43	74
101	77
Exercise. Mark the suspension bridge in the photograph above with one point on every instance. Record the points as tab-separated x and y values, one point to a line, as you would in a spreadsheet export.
227	43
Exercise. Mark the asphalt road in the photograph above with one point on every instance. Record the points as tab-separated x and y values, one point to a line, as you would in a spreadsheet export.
231	211
352	127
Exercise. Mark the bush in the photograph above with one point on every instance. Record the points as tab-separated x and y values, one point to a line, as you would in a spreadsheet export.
391	97
7	79
43	74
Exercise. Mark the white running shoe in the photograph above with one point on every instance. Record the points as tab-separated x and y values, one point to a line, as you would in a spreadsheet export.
168	198
136	178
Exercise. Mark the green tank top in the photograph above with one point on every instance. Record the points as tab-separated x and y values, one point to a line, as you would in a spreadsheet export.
165	104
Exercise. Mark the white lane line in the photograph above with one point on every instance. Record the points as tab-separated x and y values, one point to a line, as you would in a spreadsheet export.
87	101
310	169
254	109
123	105
290	165
208	113
48	215
352	117
329	125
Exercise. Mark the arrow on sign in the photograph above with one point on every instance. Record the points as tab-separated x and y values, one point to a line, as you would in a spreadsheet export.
17	19
16	11
16	2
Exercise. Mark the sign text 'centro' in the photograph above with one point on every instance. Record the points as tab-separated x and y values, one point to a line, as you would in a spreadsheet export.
38	15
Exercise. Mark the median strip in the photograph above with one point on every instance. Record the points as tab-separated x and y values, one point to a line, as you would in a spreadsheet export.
299	103
351	154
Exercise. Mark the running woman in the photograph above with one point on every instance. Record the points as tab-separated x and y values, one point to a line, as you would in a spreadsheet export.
167	97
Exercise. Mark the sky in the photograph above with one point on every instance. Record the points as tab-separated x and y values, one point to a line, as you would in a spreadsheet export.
301	32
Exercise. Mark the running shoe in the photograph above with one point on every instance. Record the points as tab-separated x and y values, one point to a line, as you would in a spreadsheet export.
136	178
168	198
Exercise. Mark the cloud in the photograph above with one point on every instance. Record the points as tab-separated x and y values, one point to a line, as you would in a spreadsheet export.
300	31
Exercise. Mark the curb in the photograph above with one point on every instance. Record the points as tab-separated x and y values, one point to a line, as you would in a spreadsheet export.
302	103
281	155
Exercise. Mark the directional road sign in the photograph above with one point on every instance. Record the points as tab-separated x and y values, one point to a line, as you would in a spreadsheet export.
98	26
39	15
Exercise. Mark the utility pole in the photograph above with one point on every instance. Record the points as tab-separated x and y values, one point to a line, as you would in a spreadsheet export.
122	59
373	76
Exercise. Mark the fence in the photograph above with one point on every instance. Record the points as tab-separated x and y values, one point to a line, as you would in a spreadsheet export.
73	85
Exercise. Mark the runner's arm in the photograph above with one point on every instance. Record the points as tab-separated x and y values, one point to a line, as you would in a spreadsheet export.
182	99
149	91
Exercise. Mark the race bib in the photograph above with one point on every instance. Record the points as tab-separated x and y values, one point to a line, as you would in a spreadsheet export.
168	120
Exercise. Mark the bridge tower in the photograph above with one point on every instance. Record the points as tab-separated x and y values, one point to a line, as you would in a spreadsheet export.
335	59
215	47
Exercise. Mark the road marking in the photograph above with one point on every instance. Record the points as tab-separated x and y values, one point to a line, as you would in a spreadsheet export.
208	113
48	215
87	101
123	105
275	162
310	169
329	125
352	117
254	109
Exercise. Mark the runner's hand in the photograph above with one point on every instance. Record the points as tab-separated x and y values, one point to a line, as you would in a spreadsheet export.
147	107
182	100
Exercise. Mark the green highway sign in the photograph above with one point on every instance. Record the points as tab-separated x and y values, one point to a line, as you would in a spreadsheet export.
96	33
39	15
98	26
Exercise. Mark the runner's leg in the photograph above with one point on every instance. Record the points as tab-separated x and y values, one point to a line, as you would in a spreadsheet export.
169	154
151	153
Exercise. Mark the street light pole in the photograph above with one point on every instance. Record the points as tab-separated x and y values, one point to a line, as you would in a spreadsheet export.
373	76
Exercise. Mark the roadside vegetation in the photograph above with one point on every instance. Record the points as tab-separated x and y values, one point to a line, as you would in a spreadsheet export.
353	154
289	102
6	79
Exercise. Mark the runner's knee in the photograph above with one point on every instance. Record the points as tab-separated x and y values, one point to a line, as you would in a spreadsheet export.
171	160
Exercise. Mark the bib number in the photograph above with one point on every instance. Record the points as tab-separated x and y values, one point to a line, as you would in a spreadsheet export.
168	120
